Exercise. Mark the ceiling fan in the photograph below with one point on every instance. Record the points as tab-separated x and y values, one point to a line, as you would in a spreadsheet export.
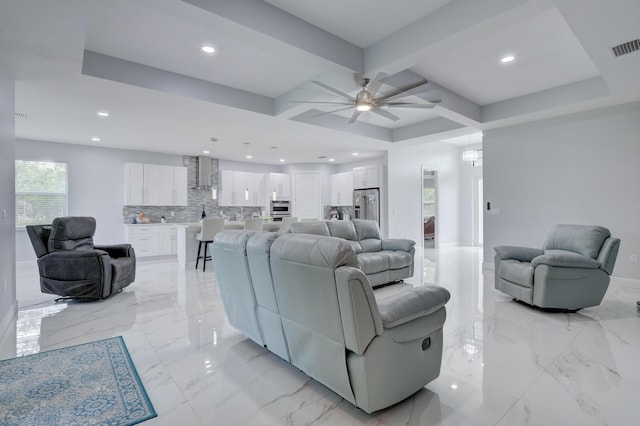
366	99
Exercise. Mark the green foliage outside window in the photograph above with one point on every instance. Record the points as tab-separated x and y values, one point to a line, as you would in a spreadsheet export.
41	191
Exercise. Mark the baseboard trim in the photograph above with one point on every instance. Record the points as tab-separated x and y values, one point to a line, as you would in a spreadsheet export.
625	282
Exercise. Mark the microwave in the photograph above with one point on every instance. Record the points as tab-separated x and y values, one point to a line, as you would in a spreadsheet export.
280	209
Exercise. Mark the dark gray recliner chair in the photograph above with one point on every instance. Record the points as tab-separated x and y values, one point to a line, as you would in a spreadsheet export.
570	272
72	267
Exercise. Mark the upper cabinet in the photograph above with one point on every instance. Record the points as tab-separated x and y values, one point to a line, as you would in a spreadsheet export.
280	183
366	177
155	185
342	189
242	189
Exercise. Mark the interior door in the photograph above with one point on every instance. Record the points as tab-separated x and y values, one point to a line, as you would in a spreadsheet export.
307	195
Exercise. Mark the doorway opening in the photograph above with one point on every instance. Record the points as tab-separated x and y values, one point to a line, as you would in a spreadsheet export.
429	208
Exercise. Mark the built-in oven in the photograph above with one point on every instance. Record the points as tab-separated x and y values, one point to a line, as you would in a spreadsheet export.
280	209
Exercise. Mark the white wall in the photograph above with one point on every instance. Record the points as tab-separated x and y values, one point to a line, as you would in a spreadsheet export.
405	192
581	169
8	304
96	184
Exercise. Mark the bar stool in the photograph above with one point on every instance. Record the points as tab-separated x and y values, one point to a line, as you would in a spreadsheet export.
286	223
210	227
253	224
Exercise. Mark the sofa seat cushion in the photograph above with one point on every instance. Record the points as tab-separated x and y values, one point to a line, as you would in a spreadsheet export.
371	263
398	259
516	272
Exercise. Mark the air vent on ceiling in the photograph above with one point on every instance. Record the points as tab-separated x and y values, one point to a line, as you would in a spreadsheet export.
21	115
626	48
322	157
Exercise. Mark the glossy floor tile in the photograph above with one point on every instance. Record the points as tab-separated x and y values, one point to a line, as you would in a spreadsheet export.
503	363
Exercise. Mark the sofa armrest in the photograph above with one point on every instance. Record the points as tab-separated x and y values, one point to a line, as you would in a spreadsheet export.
411	304
398	244
566	259
360	317
523	254
117	250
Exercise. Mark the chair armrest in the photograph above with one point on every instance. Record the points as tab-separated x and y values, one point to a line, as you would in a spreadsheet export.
566	259
523	254
411	304
70	265
398	244
117	250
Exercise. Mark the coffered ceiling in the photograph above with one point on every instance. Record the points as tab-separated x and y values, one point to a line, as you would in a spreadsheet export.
141	61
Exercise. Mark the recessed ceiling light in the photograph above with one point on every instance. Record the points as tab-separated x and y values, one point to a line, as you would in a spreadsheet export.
206	151
282	160
354	153
507	59
208	49
248	156
103	113
332	159
95	139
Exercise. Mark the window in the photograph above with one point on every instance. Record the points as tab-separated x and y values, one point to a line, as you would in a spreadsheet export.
41	191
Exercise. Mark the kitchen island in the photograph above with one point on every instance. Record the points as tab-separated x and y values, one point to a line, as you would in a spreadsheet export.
187	245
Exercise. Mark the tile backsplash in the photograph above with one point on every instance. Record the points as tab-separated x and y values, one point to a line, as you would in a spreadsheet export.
197	200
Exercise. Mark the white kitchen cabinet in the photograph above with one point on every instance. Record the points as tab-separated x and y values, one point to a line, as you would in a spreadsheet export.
366	177
134	184
280	183
152	240
242	188
155	185
342	189
174	186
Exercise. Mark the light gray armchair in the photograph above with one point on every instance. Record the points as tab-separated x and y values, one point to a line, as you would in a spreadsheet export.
570	272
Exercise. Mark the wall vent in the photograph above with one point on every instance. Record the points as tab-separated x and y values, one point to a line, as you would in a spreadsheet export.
626	48
21	115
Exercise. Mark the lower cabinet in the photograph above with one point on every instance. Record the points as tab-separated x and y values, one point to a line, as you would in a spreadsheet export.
152	240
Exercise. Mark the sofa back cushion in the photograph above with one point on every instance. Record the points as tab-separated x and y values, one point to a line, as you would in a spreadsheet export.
345	229
304	277
315	228
583	239
368	233
72	233
229	254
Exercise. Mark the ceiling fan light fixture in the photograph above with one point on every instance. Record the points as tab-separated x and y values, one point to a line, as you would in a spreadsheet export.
363	107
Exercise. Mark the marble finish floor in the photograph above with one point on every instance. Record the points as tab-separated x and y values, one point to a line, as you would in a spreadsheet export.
503	362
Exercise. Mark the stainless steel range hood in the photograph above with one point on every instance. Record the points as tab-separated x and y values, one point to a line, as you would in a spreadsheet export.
203	173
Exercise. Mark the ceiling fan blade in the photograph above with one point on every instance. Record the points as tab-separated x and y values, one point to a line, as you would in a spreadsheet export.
376	83
404	91
355	116
332	111
407	105
385	114
322	102
336	91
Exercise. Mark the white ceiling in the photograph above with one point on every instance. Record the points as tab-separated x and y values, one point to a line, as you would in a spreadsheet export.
140	60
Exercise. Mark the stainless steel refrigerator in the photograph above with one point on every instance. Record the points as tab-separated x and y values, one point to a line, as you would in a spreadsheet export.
366	204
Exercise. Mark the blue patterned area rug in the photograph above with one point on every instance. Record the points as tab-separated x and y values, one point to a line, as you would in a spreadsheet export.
89	384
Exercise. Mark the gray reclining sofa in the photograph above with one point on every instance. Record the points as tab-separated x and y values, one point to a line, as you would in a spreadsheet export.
382	260
304	298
